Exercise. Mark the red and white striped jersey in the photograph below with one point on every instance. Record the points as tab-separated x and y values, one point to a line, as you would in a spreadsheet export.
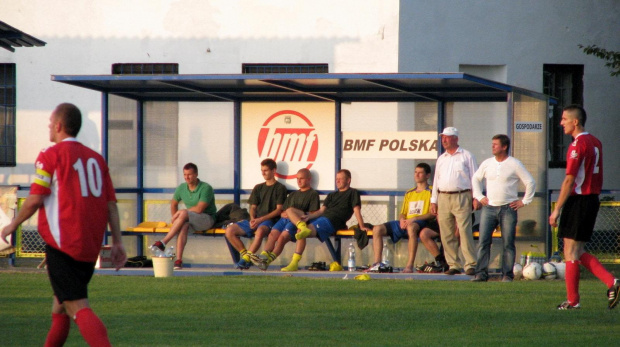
77	187
584	160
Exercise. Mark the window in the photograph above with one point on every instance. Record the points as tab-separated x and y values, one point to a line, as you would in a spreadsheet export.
283	68
7	115
145	69
565	83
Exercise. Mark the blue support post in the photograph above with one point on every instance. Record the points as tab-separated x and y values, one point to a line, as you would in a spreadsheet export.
140	169
338	135
441	122
237	151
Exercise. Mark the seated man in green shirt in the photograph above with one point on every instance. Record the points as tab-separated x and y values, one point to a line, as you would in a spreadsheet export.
199	214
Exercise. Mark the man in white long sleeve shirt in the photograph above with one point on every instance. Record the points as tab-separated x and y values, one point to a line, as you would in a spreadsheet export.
452	201
500	205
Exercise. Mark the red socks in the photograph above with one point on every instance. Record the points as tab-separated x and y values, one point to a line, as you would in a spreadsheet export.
594	266
59	331
91	328
572	282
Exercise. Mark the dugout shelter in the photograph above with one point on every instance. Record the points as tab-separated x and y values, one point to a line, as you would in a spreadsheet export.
153	124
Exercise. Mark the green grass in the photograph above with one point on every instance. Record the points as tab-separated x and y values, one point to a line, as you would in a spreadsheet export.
291	311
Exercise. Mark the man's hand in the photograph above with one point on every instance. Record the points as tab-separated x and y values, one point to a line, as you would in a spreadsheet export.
553	218
517	204
8	230
403	224
255	222
484	201
118	255
476	204
434	209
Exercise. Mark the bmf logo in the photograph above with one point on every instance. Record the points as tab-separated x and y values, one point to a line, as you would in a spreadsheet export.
288	136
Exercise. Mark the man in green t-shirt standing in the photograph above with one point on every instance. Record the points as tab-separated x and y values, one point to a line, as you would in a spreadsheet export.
199	214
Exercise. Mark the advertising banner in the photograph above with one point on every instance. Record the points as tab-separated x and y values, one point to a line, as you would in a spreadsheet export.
295	135
395	145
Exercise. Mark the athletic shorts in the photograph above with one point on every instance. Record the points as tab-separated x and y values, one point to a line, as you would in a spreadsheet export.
395	233
199	221
578	217
324	228
69	278
286	226
245	226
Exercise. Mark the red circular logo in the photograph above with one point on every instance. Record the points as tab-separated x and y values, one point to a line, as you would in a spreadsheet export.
288	136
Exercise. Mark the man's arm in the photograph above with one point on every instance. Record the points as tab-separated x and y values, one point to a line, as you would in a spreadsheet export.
476	185
567	186
200	207
315	214
119	257
273	214
357	210
29	207
174	207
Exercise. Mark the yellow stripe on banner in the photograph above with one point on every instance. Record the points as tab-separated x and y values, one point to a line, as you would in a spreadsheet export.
43	178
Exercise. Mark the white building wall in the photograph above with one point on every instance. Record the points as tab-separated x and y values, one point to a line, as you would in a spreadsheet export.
203	37
442	35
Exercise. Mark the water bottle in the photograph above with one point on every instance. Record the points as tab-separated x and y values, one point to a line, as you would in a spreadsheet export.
385	259
351	263
156	252
169	253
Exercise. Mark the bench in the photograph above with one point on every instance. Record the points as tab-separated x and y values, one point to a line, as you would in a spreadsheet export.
161	228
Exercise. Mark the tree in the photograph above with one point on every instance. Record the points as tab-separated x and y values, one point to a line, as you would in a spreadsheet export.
612	57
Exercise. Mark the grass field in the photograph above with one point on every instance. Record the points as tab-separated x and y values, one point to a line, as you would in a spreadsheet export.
292	311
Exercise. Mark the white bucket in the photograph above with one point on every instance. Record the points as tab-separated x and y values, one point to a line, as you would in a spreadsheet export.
163	266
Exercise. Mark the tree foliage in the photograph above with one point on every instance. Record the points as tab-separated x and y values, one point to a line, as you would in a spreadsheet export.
612	57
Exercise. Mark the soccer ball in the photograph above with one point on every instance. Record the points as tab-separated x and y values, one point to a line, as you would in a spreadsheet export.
517	269
560	268
549	272
532	271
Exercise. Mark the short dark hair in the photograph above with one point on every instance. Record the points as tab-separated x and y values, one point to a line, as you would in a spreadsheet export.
190	166
70	117
270	163
425	166
346	172
504	140
580	113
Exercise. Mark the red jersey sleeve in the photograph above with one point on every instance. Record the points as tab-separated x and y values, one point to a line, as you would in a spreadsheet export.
44	169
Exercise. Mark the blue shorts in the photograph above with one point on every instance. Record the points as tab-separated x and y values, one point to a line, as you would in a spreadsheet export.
286	226
324	228
396	233
245	226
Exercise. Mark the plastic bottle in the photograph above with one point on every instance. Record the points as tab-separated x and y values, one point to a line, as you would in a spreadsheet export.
156	251
385	258
351	263
169	253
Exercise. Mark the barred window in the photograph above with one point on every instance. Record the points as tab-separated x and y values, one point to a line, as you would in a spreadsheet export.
564	82
7	115
283	68
145	69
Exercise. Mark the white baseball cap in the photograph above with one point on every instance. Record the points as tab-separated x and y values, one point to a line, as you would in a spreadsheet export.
450	131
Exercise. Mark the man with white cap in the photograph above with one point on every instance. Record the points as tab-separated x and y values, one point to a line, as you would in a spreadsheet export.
452	201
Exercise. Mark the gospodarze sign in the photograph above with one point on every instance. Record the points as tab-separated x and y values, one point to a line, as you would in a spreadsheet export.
399	145
295	135
532	127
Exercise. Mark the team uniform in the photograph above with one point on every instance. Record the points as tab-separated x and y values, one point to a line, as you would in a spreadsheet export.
266	198
415	204
584	161
203	192
305	201
339	209
77	187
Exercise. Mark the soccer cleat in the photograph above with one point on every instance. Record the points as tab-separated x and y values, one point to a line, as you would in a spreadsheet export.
567	306
243	264
254	258
380	268
612	294
178	264
158	245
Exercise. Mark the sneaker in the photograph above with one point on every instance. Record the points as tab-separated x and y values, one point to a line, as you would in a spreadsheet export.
567	306
158	245
243	264
431	268
374	267
470	272
612	294
254	258
478	278
452	272
178	264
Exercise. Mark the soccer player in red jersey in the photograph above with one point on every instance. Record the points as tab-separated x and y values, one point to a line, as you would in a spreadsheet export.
74	195
579	204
